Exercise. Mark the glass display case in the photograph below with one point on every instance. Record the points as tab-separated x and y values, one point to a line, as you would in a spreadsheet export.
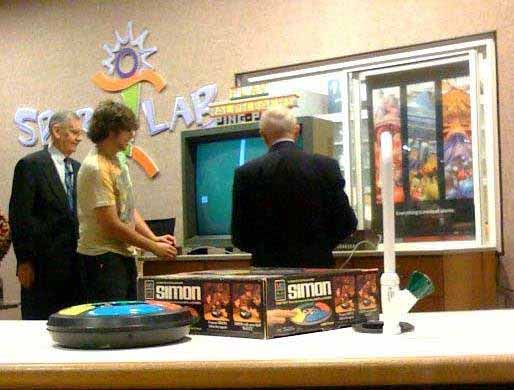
439	102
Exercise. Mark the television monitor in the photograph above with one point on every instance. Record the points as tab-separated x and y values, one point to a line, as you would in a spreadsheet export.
209	160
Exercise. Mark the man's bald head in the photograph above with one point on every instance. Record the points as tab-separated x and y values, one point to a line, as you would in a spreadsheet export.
278	122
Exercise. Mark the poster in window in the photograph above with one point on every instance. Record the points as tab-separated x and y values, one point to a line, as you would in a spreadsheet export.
428	114
422	142
386	117
458	158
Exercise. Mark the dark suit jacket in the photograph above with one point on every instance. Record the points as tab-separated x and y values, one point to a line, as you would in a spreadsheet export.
44	230
290	208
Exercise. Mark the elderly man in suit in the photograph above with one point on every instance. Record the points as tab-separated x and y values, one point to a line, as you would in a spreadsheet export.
43	217
289	207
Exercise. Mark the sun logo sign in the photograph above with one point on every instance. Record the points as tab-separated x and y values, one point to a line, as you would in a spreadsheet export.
140	69
126	67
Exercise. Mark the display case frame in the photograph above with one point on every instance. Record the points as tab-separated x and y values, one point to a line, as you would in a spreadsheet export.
479	51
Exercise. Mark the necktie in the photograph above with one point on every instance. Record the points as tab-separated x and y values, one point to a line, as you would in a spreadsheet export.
68	181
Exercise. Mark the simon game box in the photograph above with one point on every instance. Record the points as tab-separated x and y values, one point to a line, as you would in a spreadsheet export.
268	302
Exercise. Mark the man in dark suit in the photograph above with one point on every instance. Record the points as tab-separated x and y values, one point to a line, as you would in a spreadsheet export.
289	207
43	217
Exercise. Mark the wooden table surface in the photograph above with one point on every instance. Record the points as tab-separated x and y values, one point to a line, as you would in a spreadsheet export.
445	347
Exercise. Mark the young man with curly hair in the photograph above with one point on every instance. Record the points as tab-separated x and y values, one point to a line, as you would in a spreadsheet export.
109	224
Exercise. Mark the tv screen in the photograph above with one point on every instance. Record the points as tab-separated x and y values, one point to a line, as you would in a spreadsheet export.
216	162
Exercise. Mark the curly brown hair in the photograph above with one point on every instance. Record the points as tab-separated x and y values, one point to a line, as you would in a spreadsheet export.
110	116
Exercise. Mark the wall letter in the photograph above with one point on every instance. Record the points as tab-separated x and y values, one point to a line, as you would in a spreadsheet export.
201	99
183	110
148	111
42	121
85	115
23	115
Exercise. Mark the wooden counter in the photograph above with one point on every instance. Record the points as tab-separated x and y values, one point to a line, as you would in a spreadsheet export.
464	280
445	348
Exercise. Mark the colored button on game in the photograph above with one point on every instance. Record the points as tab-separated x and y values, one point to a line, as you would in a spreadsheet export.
125	310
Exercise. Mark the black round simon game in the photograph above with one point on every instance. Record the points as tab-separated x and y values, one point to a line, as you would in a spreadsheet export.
124	324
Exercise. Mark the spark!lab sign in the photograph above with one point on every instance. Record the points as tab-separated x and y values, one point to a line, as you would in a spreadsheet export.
117	78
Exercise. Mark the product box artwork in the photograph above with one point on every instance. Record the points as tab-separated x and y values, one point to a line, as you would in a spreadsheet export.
268	302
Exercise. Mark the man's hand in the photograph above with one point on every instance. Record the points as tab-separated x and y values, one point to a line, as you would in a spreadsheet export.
164	250
26	275
279	316
166	238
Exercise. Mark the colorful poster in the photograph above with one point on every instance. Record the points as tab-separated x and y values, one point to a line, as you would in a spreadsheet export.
386	117
458	160
422	142
429	116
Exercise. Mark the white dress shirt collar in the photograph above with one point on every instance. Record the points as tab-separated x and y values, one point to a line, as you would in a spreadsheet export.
283	140
56	153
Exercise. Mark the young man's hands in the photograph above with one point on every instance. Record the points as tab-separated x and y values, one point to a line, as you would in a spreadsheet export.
166	238
164	247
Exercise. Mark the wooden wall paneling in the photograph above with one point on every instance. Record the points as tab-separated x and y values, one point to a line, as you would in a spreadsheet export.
464	275
171	267
226	264
489	270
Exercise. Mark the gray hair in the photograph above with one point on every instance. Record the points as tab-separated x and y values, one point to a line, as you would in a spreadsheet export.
61	118
277	122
